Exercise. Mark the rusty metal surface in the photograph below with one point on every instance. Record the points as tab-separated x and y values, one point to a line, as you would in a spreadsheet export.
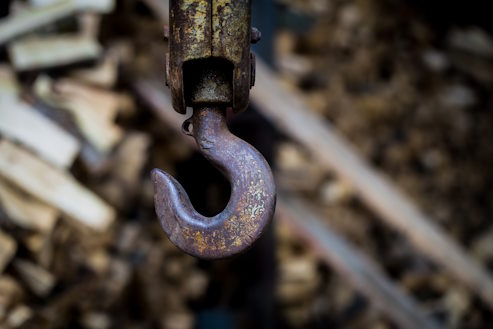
190	37
208	83
215	29
231	38
249	209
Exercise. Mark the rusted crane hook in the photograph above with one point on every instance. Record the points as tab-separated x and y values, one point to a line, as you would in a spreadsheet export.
209	67
252	201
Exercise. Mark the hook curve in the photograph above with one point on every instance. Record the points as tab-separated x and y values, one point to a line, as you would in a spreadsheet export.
251	205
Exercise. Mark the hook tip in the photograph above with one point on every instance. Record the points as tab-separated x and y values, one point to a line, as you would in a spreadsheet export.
166	188
156	175
161	179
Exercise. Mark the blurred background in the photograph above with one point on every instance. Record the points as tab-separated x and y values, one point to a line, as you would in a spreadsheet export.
376	117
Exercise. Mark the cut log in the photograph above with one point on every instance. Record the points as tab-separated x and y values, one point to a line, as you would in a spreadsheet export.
36	53
128	161
131	157
94	320
90	25
39	280
25	211
179	320
42	3
93	110
8	247
118	278
103	75
18	121
38	16
295	170
18	316
360	272
8	82
286	111
10	294
194	285
54	187
41	247
298	280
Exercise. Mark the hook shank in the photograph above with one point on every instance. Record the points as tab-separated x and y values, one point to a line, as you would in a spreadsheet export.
251	205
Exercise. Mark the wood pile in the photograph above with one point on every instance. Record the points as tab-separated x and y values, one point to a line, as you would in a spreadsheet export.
85	115
79	242
413	97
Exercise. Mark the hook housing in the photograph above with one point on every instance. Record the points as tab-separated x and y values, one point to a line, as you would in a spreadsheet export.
210	29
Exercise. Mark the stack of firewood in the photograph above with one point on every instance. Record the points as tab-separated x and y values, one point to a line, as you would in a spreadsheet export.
72	240
413	96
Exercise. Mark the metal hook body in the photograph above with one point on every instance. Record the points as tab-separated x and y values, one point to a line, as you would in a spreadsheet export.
251	205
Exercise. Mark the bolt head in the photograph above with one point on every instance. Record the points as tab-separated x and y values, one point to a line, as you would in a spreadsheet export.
256	35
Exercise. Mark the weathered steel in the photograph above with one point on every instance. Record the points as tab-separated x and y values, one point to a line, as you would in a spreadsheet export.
190	39
210	29
253	194
208	83
231	38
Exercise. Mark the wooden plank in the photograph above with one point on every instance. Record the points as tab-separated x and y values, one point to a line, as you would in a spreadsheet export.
8	247
38	16
25	211
36	52
18	121
352	265
54	187
285	109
